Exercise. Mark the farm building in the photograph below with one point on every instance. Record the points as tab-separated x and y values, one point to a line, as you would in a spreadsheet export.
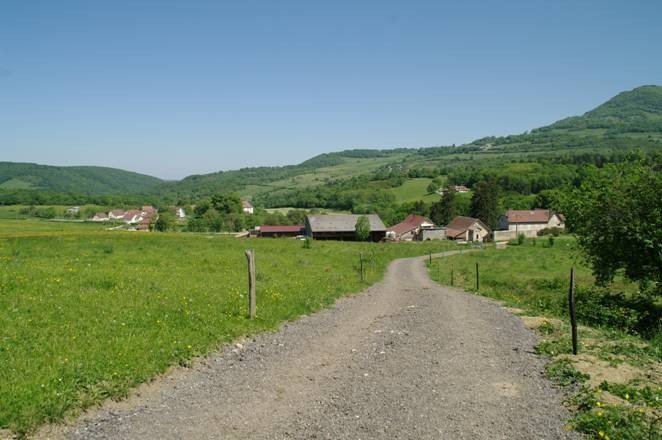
467	229
529	222
432	234
281	230
410	228
342	227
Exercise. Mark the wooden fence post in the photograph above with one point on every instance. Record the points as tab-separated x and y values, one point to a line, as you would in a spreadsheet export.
452	280
250	256
361	264
477	278
571	304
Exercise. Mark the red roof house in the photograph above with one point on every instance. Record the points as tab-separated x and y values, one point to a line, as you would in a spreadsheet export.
410	227
467	229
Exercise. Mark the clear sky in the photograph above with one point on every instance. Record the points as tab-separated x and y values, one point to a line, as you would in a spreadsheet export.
172	88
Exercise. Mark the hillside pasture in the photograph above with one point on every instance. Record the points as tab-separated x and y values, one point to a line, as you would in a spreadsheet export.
413	190
89	314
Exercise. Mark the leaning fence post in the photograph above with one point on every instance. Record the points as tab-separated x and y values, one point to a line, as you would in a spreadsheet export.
571	304
477	278
250	256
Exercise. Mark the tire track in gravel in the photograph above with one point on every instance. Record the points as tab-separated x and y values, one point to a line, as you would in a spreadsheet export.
405	359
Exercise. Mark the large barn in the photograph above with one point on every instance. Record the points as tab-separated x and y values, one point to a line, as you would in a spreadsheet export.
342	227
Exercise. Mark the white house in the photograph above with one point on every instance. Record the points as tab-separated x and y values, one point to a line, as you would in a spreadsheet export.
247	207
116	214
179	212
529	222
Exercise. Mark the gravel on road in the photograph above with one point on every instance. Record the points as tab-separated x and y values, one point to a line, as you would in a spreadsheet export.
404	359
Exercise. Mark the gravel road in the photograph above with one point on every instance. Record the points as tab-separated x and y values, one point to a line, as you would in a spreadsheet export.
405	359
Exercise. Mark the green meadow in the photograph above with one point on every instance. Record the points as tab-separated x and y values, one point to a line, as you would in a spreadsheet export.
616	381
88	313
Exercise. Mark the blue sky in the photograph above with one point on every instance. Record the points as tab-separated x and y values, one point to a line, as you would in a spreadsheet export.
172	88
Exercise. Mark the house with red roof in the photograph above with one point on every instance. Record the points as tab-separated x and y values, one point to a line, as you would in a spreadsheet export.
467	229
410	228
529	222
133	216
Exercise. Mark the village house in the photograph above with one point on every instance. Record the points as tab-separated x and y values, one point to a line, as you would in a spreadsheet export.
247	207
133	216
149	211
100	217
116	214
410	228
342	227
74	210
280	230
179	213
467	229
529	222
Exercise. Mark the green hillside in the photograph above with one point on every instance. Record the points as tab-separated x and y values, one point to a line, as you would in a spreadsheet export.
631	121
78	179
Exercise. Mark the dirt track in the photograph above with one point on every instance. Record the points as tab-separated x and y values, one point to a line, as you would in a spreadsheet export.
406	359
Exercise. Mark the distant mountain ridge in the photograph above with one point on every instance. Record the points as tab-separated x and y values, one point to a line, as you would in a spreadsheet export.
74	179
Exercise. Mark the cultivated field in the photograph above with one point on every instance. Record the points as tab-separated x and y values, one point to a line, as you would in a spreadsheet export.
89	313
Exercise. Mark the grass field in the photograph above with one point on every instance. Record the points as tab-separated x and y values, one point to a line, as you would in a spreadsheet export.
617	377
413	190
89	314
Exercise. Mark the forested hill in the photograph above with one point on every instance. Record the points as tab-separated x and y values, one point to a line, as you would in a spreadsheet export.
630	121
75	179
635	111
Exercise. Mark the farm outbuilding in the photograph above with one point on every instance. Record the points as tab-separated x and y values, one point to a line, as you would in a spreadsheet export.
342	227
467	229
281	230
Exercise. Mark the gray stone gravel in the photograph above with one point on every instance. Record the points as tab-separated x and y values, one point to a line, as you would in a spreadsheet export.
405	359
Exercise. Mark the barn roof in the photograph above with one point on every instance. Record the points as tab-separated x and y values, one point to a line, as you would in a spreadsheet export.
342	222
412	222
526	216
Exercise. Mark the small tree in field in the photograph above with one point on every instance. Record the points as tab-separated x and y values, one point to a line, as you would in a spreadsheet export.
362	228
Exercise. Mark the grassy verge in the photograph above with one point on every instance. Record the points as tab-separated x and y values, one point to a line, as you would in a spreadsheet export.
616	379
88	315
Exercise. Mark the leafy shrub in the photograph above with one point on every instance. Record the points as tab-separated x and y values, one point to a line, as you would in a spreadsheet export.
550	241
520	239
554	231
307	243
638	314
